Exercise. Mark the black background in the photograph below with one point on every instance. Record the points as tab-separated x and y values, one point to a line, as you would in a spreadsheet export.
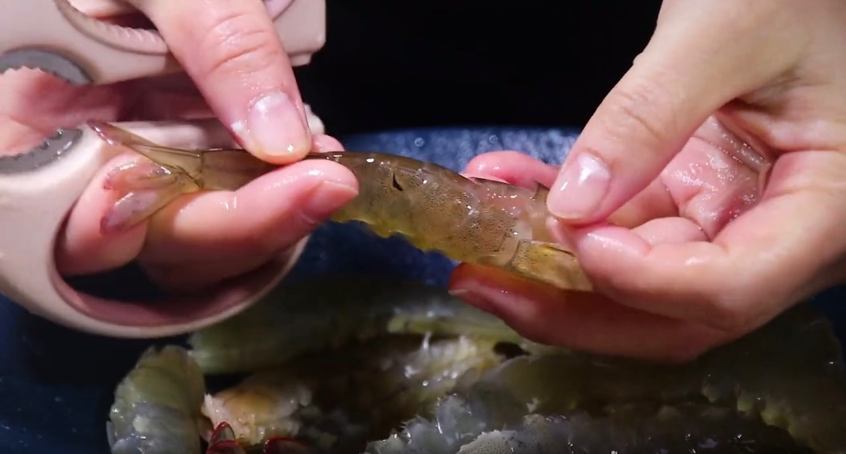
391	64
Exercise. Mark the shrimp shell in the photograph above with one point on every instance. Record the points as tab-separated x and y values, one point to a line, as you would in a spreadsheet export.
788	375
467	219
684	429
352	308
157	405
341	399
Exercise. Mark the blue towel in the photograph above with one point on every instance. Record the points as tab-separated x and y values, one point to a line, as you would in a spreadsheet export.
56	385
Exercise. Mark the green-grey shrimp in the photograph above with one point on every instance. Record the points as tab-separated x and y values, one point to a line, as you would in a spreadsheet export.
157	406
788	375
638	428
339	400
431	376
352	309
477	221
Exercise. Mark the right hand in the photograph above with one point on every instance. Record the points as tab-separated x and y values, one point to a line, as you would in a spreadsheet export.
705	195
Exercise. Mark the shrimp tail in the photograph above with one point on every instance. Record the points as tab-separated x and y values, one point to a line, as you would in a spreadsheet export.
144	187
178	159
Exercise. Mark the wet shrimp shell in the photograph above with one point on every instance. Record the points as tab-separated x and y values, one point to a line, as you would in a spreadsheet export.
788	375
331	312
157	405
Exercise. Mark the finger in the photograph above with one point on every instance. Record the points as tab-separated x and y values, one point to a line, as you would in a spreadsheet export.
772	256
577	320
521	170
235	56
81	248
673	230
193	276
322	143
268	214
511	167
666	95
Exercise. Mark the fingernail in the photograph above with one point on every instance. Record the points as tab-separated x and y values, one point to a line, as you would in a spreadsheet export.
580	188
274	127
327	197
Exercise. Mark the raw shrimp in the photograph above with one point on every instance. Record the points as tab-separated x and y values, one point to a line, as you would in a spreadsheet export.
624	429
157	406
295	319
639	430
337	401
432	362
788	375
471	220
223	441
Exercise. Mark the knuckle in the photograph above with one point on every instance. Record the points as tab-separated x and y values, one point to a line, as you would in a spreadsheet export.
637	113
238	44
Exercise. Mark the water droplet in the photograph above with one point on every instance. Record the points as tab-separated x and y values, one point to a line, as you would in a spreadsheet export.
419	142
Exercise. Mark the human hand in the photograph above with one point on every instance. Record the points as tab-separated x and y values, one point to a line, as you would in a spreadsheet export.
203	238
234	55
705	195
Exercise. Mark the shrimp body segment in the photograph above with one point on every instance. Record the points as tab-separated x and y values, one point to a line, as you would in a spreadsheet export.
471	220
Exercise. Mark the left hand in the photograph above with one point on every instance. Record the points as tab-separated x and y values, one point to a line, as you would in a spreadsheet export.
205	237
688	247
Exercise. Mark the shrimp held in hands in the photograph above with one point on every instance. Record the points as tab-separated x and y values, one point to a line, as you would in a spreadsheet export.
471	220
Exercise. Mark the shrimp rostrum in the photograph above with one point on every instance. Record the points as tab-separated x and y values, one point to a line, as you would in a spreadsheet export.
472	220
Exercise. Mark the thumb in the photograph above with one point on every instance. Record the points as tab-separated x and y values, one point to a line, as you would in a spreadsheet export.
234	55
701	56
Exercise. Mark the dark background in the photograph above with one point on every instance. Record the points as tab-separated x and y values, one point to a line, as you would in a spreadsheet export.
404	63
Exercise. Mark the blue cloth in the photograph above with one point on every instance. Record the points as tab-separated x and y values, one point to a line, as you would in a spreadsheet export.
56	385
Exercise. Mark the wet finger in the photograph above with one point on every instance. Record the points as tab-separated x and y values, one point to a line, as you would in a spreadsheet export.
236	58
511	167
582	321
709	183
772	256
671	230
522	170
321	143
272	212
81	248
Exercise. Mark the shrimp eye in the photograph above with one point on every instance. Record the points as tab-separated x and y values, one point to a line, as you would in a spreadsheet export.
396	183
